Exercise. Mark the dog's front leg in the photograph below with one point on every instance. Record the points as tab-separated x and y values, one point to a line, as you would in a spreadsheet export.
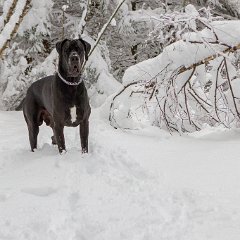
84	130
59	137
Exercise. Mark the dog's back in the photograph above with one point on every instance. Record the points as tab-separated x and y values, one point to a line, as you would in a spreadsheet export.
39	93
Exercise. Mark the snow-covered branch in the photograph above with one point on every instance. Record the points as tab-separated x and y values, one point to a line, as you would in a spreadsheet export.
82	23
8	9
193	82
100	34
10	29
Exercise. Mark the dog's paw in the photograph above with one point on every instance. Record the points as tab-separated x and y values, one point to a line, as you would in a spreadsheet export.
84	151
33	149
63	152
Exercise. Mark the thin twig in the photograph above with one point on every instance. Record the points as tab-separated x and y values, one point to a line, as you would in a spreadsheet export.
104	29
216	88
231	89
189	78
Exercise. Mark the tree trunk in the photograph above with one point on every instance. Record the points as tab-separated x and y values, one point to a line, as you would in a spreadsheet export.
134	48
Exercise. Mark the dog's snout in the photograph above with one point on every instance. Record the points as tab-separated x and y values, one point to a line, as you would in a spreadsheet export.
74	57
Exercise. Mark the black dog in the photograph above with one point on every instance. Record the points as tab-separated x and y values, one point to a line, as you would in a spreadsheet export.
60	100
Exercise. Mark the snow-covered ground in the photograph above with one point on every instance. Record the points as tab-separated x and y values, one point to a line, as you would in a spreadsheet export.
137	185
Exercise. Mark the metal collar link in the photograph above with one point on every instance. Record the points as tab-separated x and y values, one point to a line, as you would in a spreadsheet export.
70	83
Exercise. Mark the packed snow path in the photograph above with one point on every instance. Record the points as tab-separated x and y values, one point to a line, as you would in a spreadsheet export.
138	185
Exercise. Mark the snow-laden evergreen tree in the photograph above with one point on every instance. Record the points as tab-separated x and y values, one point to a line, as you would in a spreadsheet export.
29	48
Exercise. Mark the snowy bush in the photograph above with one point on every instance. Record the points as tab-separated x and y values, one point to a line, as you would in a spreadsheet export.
194	81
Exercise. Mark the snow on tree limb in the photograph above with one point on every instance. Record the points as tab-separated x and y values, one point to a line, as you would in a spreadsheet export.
10	29
100	34
177	80
10	12
6	9
210	58
82	23
106	25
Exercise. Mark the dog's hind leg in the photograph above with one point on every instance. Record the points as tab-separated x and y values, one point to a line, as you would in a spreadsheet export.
54	142
31	115
49	122
33	130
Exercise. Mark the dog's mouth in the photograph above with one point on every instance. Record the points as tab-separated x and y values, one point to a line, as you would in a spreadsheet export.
74	71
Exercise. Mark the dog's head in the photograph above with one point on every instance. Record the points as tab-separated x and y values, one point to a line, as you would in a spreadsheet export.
71	55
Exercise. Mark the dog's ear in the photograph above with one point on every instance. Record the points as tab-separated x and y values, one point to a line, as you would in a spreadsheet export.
87	48
60	44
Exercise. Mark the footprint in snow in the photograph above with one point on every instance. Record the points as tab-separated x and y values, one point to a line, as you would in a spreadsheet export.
121	159
40	192
73	200
3	197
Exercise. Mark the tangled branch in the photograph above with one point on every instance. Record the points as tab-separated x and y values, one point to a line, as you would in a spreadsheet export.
186	97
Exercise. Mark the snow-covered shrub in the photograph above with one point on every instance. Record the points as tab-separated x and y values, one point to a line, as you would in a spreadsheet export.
170	27
194	81
29	49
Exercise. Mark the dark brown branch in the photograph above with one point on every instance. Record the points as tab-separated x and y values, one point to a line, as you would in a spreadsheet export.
186	104
231	89
213	43
164	114
189	78
112	103
208	59
200	98
10	12
203	107
216	88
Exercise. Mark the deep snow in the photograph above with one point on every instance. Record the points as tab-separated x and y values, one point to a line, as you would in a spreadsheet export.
135	185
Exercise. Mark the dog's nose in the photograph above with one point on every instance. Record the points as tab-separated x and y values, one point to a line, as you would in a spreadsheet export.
74	57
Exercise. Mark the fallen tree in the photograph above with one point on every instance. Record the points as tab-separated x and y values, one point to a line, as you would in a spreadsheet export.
194	82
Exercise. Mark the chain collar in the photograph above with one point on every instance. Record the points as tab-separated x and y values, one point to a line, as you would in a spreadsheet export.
70	83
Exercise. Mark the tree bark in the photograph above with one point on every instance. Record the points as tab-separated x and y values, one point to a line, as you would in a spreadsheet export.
16	27
10	12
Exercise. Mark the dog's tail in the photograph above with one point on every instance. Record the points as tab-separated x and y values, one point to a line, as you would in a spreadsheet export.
20	106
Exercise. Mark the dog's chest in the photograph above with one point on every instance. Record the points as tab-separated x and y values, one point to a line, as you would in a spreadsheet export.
72	116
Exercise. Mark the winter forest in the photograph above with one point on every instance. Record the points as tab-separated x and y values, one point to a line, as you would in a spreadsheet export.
176	60
163	81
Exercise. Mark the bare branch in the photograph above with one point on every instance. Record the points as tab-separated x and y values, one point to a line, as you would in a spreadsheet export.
193	71
231	89
100	34
84	16
112	103
216	88
10	12
208	59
